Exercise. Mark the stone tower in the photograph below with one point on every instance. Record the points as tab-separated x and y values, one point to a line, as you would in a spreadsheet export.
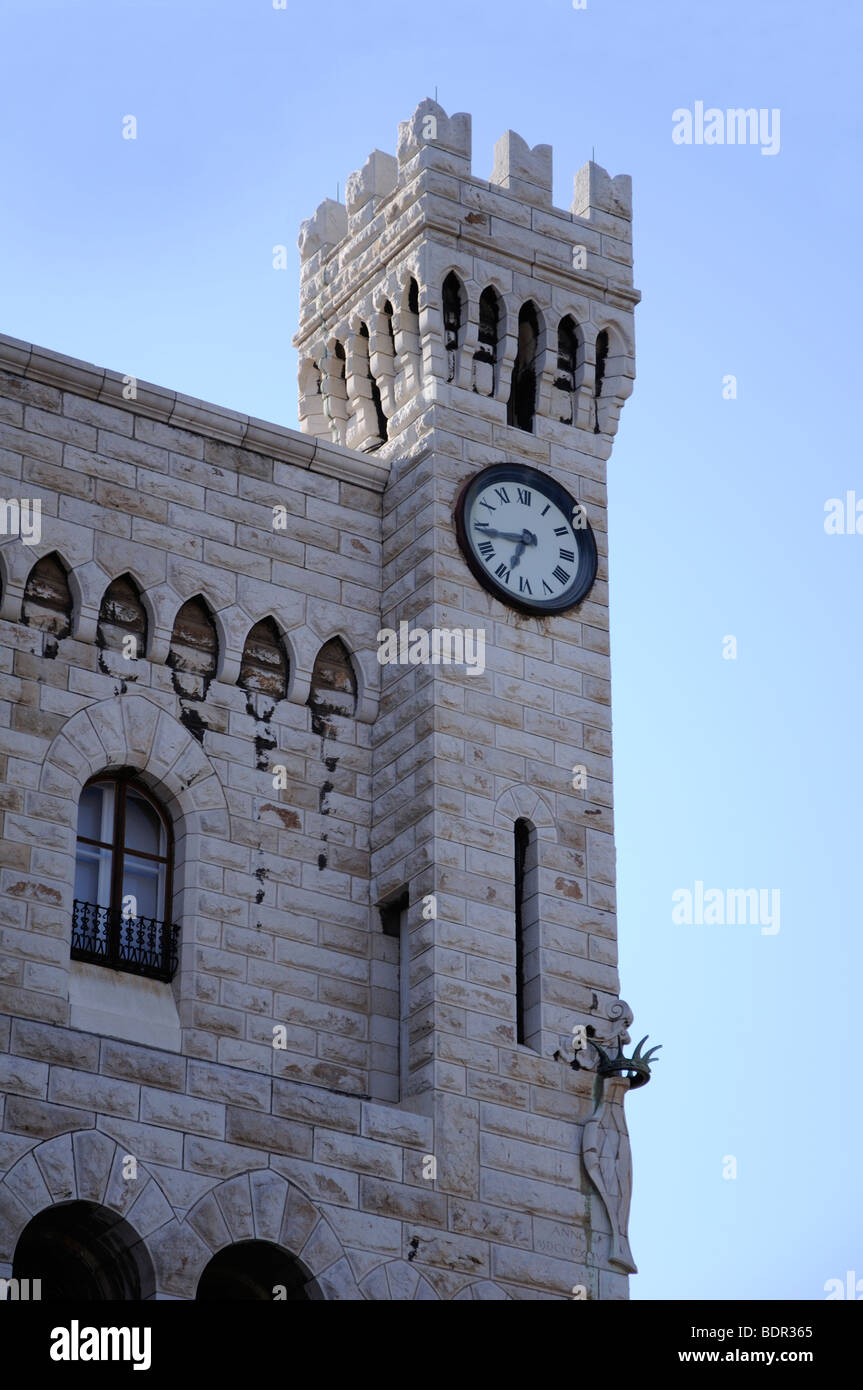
448	322
302	952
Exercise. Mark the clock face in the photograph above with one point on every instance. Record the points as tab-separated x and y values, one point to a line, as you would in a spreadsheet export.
525	538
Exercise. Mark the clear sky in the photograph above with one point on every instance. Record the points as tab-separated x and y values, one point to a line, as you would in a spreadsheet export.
153	257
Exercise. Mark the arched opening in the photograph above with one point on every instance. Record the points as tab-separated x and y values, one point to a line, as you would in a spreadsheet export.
47	603
375	393
83	1251
485	357
521	406
599	373
388	317
452	320
122	623
194	650
567	354
256	1269
264	666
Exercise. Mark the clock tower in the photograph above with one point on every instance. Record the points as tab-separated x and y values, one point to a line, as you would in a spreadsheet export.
478	341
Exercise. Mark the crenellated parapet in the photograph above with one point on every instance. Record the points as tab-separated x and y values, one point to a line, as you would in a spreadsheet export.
429	285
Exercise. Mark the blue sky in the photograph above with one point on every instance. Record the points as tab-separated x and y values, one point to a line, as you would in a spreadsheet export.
154	257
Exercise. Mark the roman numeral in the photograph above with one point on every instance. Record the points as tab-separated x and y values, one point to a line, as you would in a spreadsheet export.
547	587
503	573
524	586
502	493
567	555
523	496
545	509
560	530
487	549
560	574
480	525
488	506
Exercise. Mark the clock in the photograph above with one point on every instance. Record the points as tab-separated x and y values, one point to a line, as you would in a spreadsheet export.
525	538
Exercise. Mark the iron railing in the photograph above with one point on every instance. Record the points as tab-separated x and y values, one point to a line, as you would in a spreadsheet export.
137	945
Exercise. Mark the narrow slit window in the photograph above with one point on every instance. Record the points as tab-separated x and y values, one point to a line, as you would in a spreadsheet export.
395	987
527	994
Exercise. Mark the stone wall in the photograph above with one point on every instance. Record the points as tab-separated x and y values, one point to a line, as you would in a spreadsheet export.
400	1141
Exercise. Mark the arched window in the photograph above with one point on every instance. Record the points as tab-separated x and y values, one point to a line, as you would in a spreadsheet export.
527	1002
451	297
599	373
363	355
522	397
485	357
567	352
123	873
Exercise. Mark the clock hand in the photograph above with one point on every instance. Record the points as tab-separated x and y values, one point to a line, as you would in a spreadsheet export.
516	559
525	537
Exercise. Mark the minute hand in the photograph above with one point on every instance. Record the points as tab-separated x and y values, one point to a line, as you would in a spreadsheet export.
526	537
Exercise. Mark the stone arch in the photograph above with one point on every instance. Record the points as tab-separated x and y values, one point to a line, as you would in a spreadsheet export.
303	644
88	1165
525	803
83	1250
85	1166
618	371
524	401
455	310
264	665
123	613
396	1281
490	332
49	602
130	731
262	1205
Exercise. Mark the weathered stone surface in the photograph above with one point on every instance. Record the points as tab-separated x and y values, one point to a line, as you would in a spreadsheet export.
324	1072
42	1120
93	1154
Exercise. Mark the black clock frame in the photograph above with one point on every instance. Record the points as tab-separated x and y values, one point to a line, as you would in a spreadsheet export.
585	574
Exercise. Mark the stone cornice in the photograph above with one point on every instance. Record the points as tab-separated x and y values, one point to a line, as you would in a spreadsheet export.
186	412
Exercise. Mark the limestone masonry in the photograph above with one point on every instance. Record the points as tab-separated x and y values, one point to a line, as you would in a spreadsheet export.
332	1071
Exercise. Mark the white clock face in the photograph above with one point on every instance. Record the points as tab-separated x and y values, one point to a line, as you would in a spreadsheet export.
529	538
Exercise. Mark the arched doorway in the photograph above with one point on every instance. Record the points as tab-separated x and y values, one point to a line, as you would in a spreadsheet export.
81	1250
256	1269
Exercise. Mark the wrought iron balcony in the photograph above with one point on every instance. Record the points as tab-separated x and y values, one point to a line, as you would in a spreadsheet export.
137	945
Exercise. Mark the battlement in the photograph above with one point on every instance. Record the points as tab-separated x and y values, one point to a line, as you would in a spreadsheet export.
433	141
428	282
